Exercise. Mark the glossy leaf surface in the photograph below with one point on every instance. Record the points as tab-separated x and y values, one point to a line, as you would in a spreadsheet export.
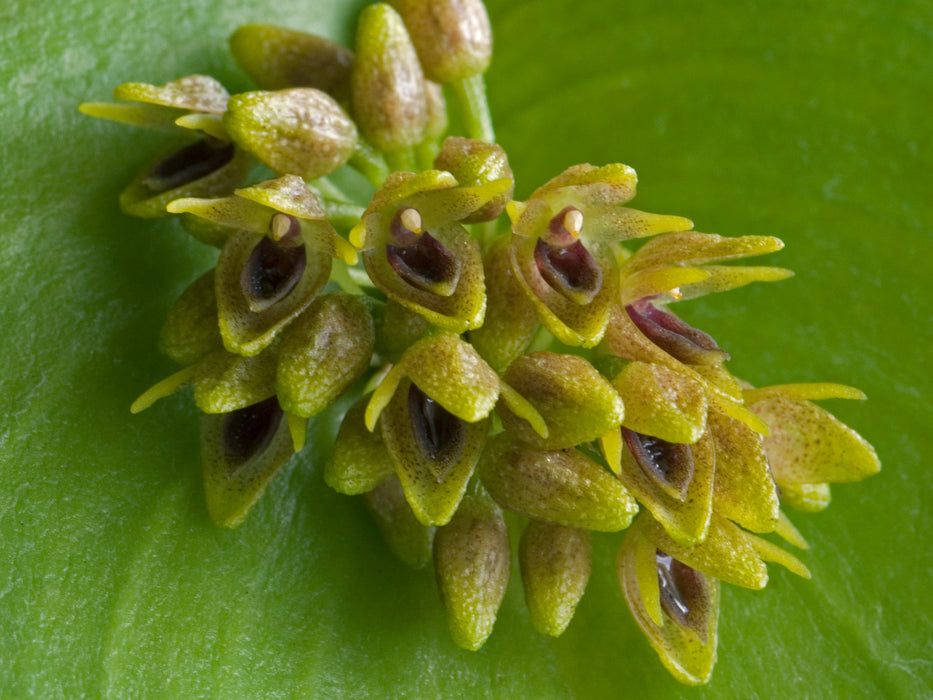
807	121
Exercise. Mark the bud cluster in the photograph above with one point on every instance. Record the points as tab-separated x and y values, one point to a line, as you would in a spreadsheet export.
534	368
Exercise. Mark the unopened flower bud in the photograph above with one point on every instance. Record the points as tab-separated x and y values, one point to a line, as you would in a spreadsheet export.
277	58
322	353
472	561
556	562
190	330
564	487
408	539
387	82
511	320
299	131
453	37
436	107
359	460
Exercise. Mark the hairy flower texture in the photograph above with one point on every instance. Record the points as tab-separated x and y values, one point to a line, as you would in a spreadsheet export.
536	371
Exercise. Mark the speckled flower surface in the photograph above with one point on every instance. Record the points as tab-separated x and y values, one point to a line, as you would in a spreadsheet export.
83	454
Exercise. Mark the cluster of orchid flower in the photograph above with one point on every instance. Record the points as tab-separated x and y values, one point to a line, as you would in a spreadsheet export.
534	369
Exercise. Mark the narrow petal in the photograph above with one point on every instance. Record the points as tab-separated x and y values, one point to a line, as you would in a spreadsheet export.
695	248
723	278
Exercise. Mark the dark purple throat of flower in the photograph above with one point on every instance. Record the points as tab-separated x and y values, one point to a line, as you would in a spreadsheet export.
685	594
187	165
248	431
273	269
439	434
565	263
419	258
677	338
668	464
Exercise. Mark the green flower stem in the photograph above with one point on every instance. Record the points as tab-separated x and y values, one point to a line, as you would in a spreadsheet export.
470	94
369	163
343	214
402	160
425	152
329	191
342	275
486	232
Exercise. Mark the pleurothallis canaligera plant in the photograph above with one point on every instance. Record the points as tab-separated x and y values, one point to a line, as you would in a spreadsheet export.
528	363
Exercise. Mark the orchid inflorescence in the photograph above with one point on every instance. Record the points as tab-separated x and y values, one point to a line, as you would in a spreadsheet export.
535	368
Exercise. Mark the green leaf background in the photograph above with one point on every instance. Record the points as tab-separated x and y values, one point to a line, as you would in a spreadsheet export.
801	119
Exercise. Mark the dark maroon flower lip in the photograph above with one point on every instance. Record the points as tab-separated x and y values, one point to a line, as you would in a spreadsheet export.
438	433
247	432
564	262
571	271
677	338
273	270
419	258
187	165
685	594
425	264
668	464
